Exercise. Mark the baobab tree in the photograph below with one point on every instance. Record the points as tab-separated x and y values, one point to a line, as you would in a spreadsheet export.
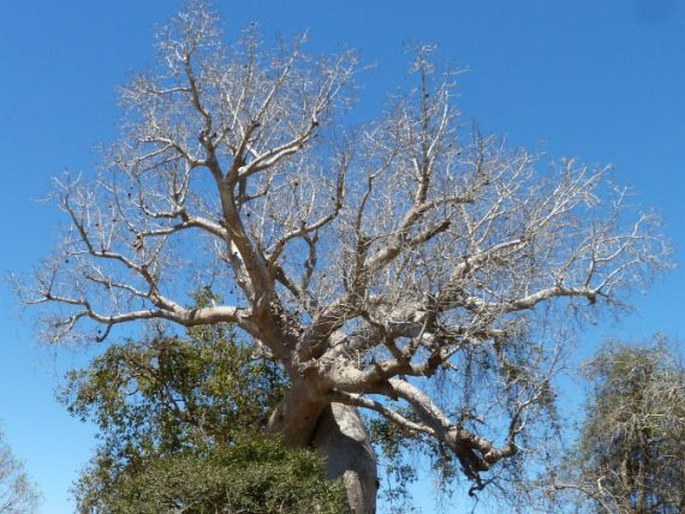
374	263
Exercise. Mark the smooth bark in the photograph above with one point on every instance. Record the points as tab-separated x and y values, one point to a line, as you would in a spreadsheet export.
337	430
341	436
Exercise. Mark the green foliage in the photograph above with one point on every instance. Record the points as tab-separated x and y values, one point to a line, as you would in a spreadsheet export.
393	449
141	393
256	475
181	422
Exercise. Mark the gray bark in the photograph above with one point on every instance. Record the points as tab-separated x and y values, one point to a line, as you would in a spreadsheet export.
341	436
304	419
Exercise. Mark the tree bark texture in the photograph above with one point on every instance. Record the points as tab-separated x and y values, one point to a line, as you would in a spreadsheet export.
341	436
336	430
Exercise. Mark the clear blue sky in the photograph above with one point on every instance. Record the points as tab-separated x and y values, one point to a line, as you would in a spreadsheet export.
604	81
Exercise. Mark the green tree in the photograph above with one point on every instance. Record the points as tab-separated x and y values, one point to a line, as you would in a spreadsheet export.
182	425
631	454
17	494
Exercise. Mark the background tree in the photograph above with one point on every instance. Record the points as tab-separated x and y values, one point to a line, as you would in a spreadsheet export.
17	494
182	424
631	455
384	267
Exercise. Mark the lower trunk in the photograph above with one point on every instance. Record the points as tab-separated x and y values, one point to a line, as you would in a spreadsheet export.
340	435
337	430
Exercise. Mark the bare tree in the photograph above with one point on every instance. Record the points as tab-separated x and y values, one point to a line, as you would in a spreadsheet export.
17	493
369	262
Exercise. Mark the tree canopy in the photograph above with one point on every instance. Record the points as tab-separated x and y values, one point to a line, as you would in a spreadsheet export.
182	422
407	267
631	455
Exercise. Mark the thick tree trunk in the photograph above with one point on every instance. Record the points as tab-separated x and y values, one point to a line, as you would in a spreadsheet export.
296	417
341	436
337	430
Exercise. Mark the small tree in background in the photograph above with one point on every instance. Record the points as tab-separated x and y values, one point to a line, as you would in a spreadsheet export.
17	494
631	454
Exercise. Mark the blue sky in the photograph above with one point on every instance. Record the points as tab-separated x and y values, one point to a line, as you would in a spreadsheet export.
604	81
